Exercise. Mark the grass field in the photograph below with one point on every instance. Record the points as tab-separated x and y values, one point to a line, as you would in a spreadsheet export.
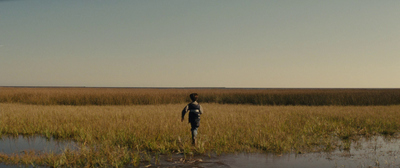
129	96
132	134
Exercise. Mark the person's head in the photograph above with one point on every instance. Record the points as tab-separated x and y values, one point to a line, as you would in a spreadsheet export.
194	96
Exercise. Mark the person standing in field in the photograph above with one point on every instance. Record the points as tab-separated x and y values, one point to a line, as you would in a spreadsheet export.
195	110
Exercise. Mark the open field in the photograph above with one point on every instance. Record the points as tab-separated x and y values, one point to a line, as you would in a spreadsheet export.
130	135
131	96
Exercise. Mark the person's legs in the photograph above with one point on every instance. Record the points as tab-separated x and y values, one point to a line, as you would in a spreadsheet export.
195	126
194	134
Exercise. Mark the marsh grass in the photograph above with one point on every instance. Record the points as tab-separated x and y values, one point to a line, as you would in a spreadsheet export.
115	136
131	96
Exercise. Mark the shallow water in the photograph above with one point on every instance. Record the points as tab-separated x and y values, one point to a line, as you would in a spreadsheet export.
372	152
15	145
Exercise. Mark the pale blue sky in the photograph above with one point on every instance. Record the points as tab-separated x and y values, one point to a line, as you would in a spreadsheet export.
204	43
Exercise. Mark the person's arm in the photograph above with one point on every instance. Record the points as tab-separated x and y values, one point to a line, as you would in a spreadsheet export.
184	112
201	110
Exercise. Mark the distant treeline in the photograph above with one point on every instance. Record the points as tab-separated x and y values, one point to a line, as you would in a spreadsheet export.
127	96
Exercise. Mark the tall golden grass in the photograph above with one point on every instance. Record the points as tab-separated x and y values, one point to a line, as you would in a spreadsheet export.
125	135
127	96
122	126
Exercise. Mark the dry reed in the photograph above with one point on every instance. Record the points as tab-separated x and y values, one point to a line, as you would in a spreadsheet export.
130	96
120	135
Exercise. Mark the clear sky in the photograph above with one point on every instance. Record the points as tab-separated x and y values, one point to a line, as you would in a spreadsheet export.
203	43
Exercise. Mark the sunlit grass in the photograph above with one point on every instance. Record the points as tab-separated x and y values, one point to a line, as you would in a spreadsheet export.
130	96
121	135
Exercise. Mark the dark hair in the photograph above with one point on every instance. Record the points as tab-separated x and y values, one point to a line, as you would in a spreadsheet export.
194	96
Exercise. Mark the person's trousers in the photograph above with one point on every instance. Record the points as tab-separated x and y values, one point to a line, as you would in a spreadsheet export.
195	125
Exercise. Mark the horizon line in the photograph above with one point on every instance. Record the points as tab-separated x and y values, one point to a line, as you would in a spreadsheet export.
145	87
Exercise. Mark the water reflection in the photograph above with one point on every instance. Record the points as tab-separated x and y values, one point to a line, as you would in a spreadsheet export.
11	145
372	152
